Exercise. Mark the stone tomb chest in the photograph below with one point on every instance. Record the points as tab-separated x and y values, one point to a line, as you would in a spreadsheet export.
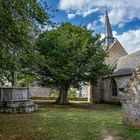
16	100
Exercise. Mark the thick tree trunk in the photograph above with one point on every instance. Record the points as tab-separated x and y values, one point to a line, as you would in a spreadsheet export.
62	98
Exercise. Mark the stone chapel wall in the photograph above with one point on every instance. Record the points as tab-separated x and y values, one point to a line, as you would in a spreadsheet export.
121	82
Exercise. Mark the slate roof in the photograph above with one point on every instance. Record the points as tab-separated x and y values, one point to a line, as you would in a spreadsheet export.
125	71
126	64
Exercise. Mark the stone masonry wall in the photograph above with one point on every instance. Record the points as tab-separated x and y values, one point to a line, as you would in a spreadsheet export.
114	53
130	99
41	91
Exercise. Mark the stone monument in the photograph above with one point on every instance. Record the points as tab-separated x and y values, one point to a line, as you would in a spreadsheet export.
130	99
16	100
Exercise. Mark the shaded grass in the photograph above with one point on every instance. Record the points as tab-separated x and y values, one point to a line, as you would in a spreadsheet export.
71	122
54	98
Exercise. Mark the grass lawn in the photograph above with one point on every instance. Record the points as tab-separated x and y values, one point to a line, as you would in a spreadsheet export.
72	122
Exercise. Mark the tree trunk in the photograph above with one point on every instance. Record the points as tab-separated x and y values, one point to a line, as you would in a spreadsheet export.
62	98
14	79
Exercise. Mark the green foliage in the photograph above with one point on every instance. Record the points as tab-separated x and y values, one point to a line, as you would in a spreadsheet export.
71	54
72	93
53	94
25	79
21	21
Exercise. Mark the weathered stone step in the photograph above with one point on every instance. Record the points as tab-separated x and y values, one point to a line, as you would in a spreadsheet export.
26	109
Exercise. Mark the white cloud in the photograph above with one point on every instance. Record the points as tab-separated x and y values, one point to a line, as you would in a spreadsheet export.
84	12
116	16
92	26
89	11
77	7
70	16
130	40
120	11
120	25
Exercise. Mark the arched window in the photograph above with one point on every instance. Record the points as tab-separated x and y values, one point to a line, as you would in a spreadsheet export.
114	88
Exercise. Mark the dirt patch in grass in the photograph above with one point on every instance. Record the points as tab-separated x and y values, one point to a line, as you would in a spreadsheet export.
106	135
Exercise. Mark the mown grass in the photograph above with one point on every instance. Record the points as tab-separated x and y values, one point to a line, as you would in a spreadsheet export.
71	122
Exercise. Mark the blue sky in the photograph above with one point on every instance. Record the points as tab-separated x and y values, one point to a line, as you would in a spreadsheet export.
124	17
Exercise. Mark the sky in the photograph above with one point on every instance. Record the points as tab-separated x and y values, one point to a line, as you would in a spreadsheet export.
124	17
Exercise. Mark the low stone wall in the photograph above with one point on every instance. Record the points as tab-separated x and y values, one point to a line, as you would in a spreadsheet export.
130	99
16	100
39	91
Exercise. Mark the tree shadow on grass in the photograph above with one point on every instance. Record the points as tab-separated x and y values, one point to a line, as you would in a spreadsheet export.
78	105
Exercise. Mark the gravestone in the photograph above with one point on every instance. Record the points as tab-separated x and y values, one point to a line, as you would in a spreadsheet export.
130	99
16	100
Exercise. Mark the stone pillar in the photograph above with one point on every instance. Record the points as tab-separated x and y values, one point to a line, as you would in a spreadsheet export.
130	99
90	93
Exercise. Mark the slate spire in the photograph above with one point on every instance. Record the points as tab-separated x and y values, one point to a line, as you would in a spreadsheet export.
109	39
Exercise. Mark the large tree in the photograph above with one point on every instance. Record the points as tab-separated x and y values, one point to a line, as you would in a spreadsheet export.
20	21
72	54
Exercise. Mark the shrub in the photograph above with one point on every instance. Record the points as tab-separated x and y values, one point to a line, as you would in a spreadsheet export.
72	93
53	94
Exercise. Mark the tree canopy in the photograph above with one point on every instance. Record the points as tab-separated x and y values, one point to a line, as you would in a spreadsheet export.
72	54
20	21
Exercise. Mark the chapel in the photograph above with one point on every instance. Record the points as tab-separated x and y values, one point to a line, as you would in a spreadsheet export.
122	63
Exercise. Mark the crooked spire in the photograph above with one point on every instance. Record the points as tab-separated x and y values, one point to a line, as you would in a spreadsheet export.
109	39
